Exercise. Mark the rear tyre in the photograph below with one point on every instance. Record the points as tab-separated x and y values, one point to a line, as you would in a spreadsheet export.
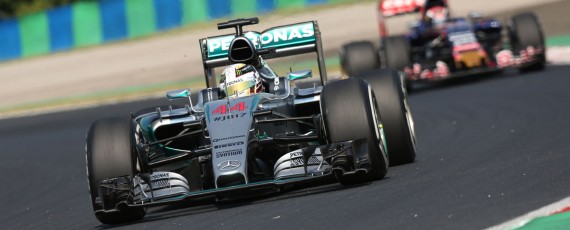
395	112
350	112
525	31
395	53
358	57
109	155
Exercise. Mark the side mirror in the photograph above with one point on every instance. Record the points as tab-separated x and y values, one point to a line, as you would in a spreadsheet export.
179	93
300	74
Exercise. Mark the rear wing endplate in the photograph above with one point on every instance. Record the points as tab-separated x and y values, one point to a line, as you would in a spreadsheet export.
288	40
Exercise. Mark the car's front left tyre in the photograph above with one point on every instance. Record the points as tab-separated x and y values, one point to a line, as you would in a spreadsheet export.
526	31
358	57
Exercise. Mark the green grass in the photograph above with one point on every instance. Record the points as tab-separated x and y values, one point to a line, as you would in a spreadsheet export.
563	40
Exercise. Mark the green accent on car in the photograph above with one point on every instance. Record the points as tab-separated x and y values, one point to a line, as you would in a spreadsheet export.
146	126
278	37
254	102
262	136
292	35
175	94
384	141
296	75
207	111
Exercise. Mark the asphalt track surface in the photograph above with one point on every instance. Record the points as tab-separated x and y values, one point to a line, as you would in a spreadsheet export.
488	150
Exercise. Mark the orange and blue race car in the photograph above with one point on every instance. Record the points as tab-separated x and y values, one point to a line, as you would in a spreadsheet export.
438	46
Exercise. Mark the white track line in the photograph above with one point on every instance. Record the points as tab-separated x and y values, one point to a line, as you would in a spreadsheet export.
524	219
558	55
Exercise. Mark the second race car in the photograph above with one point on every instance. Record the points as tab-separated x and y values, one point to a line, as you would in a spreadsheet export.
438	46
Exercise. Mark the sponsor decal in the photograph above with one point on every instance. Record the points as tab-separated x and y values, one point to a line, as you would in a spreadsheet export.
227	138
299	161
287	34
222	43
229	117
276	83
223	109
229	165
160	184
462	38
228	145
228	153
276	37
159	176
236	80
297	153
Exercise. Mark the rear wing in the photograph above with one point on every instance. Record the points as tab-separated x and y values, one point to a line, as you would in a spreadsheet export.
287	40
389	8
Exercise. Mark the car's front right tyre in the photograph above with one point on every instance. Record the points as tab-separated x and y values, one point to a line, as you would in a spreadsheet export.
109	155
350	112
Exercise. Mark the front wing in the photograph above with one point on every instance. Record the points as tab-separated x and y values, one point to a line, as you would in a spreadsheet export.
165	188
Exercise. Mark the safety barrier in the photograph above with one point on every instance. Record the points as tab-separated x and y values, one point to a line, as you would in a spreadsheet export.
86	23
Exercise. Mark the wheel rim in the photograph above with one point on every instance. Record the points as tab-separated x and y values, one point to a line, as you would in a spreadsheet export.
378	128
410	120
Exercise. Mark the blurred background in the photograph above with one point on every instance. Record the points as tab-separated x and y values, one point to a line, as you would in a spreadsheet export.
76	52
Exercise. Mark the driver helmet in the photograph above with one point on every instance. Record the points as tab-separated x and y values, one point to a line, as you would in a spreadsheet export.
437	14
240	80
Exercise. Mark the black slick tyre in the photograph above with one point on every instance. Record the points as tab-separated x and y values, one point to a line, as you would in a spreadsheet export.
357	57
109	155
395	53
349	111
395	113
525	31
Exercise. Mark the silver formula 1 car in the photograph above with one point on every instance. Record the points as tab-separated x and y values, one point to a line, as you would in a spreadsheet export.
254	132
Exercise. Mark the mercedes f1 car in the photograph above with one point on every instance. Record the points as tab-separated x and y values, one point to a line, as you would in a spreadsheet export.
258	138
440	47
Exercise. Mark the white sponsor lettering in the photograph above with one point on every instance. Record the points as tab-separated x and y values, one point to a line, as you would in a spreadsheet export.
272	36
228	138
281	34
226	44
295	34
214	44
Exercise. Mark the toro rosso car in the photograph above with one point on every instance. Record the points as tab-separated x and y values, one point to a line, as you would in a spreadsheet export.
438	46
253	131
